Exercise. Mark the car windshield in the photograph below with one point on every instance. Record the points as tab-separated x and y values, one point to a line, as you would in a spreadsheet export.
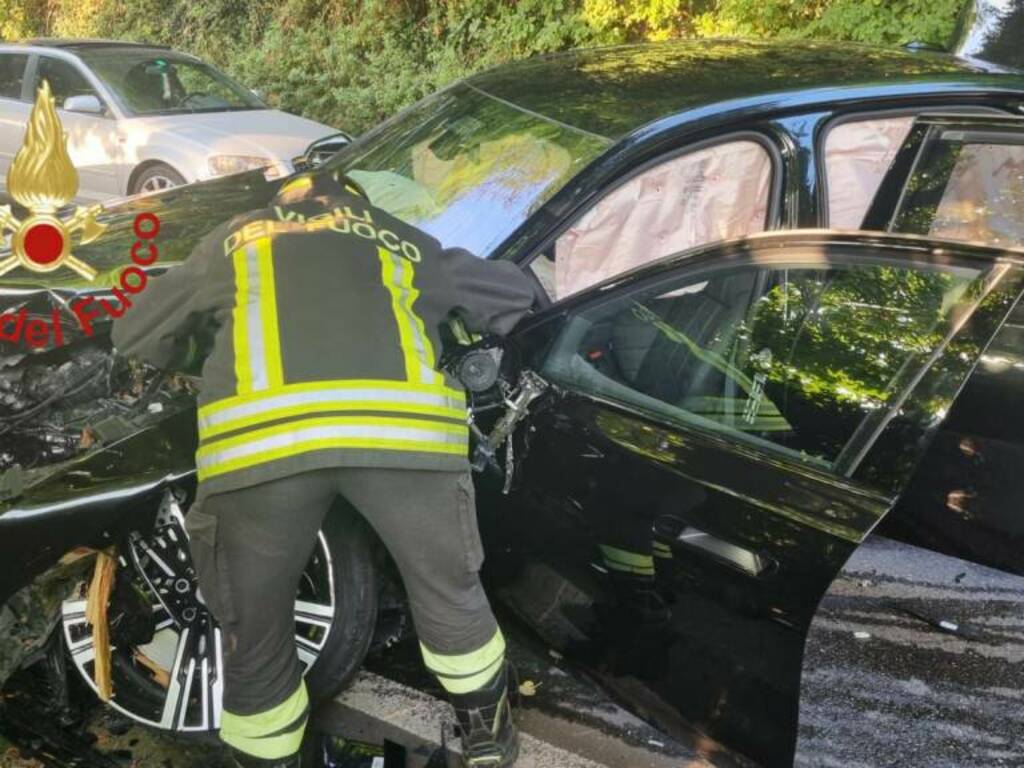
467	167
146	83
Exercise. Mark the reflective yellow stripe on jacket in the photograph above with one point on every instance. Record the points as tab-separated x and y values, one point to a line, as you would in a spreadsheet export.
397	273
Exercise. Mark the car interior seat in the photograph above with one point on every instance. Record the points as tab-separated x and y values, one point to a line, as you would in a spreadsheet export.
146	87
658	365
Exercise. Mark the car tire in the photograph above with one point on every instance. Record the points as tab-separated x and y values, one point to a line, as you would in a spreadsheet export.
156	178
355	570
336	614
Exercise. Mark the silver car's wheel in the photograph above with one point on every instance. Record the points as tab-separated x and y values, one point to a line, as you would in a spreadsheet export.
174	681
156	178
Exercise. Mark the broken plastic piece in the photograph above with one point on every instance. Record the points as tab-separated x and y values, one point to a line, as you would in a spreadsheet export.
96	614
528	688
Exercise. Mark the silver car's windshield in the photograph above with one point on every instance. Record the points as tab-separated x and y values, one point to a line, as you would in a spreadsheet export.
467	167
148	84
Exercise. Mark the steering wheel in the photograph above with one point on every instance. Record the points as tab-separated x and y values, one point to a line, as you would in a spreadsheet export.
183	101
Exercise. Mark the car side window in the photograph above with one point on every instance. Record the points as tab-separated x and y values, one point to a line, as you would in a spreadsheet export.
857	155
791	358
707	195
12	74
65	80
967	188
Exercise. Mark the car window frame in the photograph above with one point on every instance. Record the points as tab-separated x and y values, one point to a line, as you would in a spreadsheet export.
767	139
706	260
30	81
916	111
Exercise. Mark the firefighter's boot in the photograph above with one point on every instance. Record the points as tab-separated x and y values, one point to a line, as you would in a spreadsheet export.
489	735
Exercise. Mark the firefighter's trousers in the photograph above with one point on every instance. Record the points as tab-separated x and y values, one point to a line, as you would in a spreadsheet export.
250	547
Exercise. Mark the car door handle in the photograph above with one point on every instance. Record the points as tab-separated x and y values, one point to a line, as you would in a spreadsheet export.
726	552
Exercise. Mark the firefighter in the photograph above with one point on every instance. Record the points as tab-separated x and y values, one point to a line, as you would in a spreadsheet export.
322	382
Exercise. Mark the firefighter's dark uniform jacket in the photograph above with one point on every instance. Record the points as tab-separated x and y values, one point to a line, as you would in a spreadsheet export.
327	316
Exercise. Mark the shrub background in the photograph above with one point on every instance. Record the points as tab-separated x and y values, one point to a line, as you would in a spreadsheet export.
350	64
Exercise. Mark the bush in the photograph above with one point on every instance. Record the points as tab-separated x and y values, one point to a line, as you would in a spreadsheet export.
885	22
350	64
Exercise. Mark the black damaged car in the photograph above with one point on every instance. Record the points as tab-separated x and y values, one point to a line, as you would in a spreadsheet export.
760	478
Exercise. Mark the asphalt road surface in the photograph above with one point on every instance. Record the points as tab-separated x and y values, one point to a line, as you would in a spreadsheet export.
567	722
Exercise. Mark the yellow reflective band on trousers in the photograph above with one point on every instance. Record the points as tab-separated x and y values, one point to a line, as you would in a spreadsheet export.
397	273
256	340
360	432
626	561
662	550
269	735
368	395
467	672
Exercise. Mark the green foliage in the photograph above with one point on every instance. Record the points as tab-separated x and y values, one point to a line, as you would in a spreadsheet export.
21	18
621	21
884	22
891	21
351	63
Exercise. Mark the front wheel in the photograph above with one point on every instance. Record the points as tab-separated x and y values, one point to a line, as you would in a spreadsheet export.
166	647
156	178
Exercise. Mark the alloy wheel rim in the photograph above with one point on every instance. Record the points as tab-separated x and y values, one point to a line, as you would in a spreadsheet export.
157	183
189	651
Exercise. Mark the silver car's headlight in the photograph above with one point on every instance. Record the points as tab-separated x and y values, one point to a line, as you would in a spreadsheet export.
222	165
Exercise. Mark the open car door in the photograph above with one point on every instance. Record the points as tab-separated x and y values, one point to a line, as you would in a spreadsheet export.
722	431
922	632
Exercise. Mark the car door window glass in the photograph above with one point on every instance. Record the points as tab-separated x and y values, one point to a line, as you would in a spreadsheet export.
65	80
12	73
967	188
984	200
791	358
857	155
707	195
145	84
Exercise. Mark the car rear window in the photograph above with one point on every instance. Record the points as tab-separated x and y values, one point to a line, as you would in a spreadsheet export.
967	185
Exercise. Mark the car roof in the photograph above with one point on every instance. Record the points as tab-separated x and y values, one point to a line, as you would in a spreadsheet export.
613	91
73	44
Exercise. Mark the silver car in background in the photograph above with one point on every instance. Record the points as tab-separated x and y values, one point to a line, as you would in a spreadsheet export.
143	118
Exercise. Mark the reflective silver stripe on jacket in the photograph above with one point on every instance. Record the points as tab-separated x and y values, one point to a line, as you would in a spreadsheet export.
321	399
254	321
367	433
